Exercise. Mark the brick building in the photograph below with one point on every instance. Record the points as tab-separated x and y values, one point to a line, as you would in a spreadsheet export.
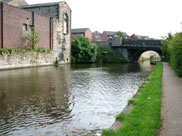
110	34
140	37
96	36
86	32
51	20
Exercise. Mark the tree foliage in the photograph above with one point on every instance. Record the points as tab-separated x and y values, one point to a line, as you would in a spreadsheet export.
172	49
83	51
108	55
121	34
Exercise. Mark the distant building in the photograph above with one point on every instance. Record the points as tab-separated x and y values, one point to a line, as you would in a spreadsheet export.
96	36
86	32
104	37
110	34
139	37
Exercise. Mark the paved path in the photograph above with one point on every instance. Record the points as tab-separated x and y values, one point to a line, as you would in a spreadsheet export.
171	112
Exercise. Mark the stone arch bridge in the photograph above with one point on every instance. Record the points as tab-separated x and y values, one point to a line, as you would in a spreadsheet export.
133	49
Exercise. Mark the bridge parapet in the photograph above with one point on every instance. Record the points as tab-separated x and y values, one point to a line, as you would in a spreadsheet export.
143	43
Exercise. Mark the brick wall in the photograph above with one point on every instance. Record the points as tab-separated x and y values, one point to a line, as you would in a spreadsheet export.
42	25
0	24
104	37
14	21
88	34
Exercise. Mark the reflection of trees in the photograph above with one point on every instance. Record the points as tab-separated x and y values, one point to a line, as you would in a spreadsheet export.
121	68
34	93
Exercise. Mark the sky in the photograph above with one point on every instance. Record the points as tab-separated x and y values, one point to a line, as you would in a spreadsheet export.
154	18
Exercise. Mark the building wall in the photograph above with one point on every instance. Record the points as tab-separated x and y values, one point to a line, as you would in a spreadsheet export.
13	20
88	34
104	37
14	32
61	41
0	25
96	36
42	25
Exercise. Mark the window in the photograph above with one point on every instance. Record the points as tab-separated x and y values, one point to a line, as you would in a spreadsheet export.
40	10
65	23
30	27
25	27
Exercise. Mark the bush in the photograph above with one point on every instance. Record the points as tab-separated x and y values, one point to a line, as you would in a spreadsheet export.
172	49
83	51
108	55
176	53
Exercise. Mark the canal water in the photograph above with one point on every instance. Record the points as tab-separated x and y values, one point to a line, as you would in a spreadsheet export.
70	100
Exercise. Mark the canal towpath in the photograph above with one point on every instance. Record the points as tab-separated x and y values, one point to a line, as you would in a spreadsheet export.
171	111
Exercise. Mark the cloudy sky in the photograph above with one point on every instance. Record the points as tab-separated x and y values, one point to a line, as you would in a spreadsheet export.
154	18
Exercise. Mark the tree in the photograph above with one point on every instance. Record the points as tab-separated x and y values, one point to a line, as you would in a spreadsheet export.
166	46
33	37
121	34
83	51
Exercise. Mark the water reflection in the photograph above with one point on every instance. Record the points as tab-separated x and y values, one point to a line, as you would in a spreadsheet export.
77	100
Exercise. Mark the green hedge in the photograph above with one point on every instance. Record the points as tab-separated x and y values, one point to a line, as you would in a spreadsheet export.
172	48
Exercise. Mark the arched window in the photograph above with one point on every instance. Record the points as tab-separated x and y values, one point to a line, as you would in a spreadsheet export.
65	23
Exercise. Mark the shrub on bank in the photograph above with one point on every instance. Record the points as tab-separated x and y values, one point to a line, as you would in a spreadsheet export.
108	55
172	49
83	51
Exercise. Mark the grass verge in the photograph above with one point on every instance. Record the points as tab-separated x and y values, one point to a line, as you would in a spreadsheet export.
144	118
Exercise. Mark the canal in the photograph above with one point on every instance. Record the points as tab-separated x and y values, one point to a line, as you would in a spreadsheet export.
69	100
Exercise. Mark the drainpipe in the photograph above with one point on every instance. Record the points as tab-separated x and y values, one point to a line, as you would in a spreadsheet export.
2	42
51	34
33	20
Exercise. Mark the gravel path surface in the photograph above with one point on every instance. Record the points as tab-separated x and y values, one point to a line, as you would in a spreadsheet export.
171	111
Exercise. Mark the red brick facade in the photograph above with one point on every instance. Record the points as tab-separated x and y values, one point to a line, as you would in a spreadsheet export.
88	34
104	37
1	26
16	25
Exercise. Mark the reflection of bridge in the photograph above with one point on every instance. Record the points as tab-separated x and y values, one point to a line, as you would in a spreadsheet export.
133	49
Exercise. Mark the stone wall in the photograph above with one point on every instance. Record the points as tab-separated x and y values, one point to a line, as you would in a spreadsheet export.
62	41
28	59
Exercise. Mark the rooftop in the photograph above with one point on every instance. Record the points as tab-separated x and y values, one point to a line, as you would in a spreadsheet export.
40	5
79	30
113	33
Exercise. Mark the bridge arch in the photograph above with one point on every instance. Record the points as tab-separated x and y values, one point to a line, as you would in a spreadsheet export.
137	54
133	49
